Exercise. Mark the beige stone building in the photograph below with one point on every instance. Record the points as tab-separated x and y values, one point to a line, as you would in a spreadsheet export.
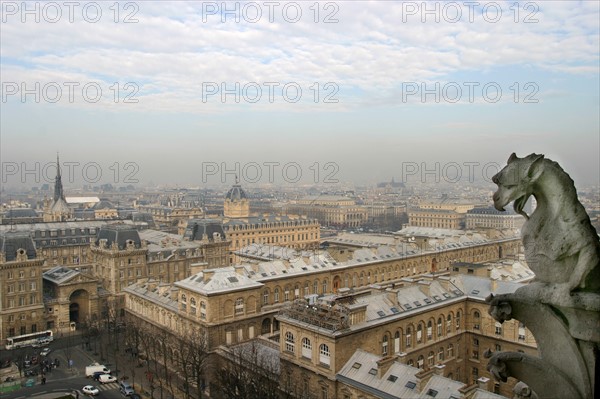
243	229
436	218
490	218
71	298
428	322
239	302
21	301
332	211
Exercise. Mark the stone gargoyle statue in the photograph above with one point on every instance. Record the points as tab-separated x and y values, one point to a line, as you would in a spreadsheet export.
561	307
561	245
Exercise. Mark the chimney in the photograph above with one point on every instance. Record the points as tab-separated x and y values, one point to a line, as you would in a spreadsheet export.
424	287
468	391
423	378
482	383
383	365
494	285
151	285
207	275
439	369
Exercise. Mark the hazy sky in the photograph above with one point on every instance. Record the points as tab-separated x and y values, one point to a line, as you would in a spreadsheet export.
149	89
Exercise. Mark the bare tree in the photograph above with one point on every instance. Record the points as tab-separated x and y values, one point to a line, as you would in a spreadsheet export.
247	371
198	346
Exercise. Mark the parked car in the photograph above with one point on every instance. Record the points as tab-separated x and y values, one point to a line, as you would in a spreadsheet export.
97	374
45	351
126	389
106	378
90	390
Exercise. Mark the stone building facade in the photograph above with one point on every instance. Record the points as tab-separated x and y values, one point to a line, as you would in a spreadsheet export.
430	322
240	302
21	300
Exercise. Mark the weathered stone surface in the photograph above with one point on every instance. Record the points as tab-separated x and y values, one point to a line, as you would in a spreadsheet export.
562	306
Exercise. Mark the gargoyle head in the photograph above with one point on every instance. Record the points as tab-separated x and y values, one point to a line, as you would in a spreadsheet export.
515	181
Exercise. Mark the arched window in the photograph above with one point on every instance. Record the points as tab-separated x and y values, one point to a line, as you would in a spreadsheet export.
306	348
419	333
289	342
325	287
448	324
265	297
316	287
476	320
193	305
458	320
397	342
306	288
420	361
450	350
408	337
239	306
430	358
441	354
439	327
324	356
429	330
384	345
411	362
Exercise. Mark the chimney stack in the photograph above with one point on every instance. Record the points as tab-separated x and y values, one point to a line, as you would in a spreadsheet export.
423	378
383	365
482	383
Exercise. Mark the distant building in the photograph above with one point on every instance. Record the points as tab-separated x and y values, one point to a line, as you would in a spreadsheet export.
491	218
436	218
329	210
57	210
20	215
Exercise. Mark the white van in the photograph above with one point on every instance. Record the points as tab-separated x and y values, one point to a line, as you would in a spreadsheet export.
93	368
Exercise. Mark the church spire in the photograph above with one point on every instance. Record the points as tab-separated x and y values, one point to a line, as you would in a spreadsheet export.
58	188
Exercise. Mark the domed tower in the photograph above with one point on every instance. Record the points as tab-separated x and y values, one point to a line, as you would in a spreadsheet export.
236	205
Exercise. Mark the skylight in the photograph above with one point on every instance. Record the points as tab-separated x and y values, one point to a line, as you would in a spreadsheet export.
356	365
373	371
411	385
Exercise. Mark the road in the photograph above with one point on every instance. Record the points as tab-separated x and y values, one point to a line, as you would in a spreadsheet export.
63	378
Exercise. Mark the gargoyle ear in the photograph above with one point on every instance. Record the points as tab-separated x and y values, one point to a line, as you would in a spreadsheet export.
512	157
535	170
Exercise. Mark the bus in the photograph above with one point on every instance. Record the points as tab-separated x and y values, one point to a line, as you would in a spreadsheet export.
20	341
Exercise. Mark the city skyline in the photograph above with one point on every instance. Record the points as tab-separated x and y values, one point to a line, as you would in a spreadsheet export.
379	61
